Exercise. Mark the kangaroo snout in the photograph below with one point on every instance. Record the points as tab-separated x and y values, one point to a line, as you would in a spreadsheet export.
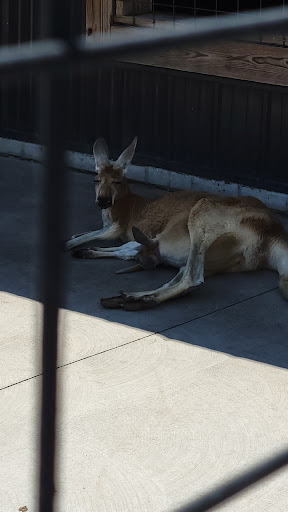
104	202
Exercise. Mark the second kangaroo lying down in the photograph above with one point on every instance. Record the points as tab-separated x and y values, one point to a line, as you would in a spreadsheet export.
217	235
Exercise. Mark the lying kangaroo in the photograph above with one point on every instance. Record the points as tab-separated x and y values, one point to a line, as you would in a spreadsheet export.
218	235
122	209
237	233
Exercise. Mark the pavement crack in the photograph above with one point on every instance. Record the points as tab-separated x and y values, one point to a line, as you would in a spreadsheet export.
168	329
161	331
217	310
21	381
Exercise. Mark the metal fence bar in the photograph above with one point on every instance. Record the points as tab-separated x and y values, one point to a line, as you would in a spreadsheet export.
52	118
284	36
53	55
223	492
51	287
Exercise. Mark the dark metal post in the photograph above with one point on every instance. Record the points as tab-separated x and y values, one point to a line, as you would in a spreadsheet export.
52	128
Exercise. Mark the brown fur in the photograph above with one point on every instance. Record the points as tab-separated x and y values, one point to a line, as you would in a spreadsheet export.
126	208
269	232
223	256
195	231
265	227
222	235
154	216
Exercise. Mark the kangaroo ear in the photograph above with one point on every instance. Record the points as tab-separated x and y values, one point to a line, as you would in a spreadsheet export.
126	157
142	239
100	151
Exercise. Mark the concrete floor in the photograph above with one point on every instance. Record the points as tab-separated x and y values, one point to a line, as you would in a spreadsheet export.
156	406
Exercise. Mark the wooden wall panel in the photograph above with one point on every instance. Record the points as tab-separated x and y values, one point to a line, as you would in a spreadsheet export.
240	60
98	16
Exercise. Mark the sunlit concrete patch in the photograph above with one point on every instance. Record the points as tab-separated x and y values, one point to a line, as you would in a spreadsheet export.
80	336
148	426
168	419
19	445
20	338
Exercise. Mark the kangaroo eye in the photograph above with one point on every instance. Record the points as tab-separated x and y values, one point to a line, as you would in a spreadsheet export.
96	181
118	182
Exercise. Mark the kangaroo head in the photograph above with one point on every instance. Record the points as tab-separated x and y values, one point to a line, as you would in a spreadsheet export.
148	255
148	252
111	182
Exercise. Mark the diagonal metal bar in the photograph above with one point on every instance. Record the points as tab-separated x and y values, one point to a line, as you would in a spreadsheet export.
51	55
238	484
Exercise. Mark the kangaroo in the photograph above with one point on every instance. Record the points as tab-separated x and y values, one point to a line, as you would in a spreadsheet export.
217	235
186	229
122	209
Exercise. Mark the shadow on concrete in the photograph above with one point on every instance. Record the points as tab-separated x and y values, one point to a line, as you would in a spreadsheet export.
242	315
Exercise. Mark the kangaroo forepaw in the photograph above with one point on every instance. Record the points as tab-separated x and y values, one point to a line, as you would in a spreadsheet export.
113	302
129	303
139	303
82	253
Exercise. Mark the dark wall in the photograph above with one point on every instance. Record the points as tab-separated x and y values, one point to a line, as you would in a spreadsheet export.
203	125
221	128
186	122
20	20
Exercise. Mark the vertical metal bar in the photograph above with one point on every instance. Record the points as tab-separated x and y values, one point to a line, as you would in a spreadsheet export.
52	217
284	35
134	13
195	13
5	21
31	21
4	84
260	12
20	84
19	24
52	115
31	38
153	12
